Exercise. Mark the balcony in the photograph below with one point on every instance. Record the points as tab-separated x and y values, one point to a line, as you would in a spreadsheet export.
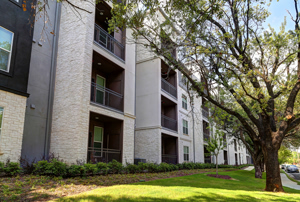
168	80
104	139
168	114
168	88
168	123
205	113
107	83
206	136
169	149
106	97
109	42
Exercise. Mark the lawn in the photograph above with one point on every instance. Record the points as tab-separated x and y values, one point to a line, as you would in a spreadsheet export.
198	187
43	188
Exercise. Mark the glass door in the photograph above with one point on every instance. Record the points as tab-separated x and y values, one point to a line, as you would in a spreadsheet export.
100	89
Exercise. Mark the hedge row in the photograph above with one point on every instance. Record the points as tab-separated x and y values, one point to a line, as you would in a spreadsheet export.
55	167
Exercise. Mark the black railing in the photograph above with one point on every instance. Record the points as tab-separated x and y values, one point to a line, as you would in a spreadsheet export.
103	155
109	42
224	143
106	97
207	160
169	158
168	88
206	136
205	113
168	122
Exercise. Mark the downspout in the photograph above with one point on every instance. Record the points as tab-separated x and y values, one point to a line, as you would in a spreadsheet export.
52	81
134	147
193	133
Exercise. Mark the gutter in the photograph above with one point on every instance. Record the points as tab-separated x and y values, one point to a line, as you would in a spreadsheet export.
52	80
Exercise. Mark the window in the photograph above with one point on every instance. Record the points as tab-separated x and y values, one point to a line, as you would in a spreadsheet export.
184	102
185	127
235	147
98	139
100	89
186	153
1	117
6	42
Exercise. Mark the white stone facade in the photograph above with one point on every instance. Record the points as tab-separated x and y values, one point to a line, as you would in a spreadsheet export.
12	126
72	104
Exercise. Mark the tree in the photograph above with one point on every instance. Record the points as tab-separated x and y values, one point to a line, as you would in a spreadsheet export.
284	155
215	145
253	67
233	128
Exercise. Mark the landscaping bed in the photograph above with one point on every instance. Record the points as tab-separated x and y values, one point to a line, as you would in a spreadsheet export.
44	188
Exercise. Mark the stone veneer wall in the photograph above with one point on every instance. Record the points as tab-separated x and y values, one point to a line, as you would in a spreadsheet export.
70	123
148	144
12	126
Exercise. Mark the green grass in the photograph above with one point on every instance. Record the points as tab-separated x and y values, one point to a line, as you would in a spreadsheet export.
197	187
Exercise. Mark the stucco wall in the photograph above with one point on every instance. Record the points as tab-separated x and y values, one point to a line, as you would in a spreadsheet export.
12	126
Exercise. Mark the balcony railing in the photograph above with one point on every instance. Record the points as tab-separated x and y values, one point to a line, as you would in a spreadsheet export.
207	160
109	42
106	97
206	136
168	88
103	155
205	113
168	122
169	158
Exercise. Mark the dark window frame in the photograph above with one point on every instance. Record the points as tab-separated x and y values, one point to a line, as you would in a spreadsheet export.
13	51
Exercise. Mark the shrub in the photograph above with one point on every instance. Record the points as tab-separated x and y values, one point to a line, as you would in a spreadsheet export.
164	167
143	166
102	168
55	167
91	169
1	167
132	168
76	170
41	168
115	167
12	168
153	168
27	165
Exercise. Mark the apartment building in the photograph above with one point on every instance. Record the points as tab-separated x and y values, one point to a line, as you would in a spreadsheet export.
93	110
15	51
94	95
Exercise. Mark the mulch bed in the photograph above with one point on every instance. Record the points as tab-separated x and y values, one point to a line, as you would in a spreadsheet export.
226	177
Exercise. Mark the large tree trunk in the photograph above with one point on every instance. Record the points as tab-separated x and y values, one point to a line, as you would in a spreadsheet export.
273	181
258	172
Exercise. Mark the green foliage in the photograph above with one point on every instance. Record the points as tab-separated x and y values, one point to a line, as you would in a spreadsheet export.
102	168
2	165
91	169
115	166
12	168
54	167
284	154
132	168
76	170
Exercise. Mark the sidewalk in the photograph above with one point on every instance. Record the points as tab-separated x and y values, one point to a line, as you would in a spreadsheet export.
288	183
249	168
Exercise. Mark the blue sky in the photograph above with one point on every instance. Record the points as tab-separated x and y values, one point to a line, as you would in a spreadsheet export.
279	10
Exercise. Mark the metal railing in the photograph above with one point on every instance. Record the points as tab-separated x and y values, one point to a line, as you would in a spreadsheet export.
168	88
206	136
103	155
106	97
224	143
207	160
109	42
169	158
168	122
205	113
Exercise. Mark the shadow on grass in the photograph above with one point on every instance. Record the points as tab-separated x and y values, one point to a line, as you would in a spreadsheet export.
198	197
